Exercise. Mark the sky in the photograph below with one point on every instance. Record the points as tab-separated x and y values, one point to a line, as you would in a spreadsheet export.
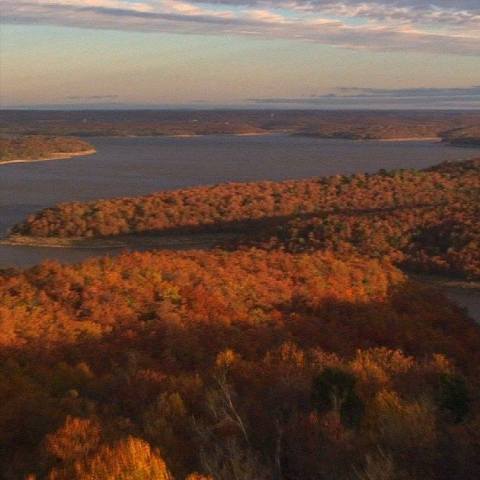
240	53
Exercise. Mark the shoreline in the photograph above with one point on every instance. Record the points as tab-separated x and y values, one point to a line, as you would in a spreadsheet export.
412	139
145	240
198	135
357	139
282	132
179	240
58	242
53	156
440	281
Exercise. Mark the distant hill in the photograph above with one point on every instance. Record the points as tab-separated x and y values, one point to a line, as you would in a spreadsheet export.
365	125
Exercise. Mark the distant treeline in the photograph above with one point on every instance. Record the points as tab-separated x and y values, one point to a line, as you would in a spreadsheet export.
456	127
32	147
424	220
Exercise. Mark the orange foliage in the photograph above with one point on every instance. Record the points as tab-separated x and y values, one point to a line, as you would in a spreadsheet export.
208	360
39	146
427	221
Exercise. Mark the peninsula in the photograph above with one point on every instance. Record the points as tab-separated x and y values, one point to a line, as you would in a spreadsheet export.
32	148
424	221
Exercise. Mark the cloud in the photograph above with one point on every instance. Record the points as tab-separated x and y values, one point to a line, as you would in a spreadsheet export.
93	97
437	26
425	92
360	97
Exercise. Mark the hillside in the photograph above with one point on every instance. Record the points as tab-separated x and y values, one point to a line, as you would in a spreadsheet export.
244	365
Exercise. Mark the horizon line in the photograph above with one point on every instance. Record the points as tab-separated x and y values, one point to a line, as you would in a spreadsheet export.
258	107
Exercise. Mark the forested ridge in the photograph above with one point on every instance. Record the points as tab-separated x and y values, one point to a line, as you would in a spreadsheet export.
33	147
424	220
453	127
252	364
438	236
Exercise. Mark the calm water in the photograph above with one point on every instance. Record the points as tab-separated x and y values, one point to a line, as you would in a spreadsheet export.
468	298
134	166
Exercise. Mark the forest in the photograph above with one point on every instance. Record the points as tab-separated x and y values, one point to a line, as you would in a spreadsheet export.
299	350
245	365
424	221
460	128
33	147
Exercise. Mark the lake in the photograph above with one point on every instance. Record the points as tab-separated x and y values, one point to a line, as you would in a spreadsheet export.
129	166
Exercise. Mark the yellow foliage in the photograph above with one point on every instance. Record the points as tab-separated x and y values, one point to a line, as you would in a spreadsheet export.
441	364
376	367
287	353
129	459
400	424
226	358
74	439
198	476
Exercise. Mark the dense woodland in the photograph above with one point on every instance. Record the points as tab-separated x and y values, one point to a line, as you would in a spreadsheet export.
454	127
33	147
247	365
297	352
423	220
441	236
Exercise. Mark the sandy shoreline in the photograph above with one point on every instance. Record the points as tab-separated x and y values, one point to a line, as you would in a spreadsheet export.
198	135
171	241
411	139
53	156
